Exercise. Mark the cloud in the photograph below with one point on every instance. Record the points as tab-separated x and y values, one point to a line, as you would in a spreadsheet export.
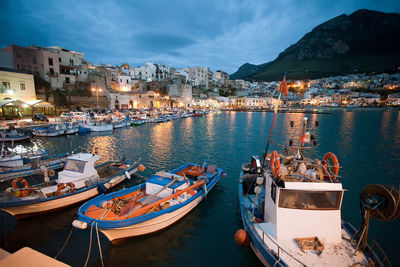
219	34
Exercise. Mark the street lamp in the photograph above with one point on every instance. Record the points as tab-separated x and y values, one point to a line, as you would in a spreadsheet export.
97	90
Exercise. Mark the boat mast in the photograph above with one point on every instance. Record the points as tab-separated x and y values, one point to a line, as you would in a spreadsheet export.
282	89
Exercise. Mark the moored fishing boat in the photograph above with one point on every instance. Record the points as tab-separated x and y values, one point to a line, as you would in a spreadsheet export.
14	136
50	131
97	125
26	164
71	128
138	122
290	208
78	181
151	206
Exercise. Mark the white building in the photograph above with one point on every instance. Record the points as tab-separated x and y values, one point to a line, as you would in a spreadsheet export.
16	85
199	76
72	65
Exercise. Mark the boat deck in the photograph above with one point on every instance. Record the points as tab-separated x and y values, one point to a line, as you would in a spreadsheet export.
332	255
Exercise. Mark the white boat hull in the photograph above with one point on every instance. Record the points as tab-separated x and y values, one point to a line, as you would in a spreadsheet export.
13	161
49	134
72	131
100	128
150	226
60	203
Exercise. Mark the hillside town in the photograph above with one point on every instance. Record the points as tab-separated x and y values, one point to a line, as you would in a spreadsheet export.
54	79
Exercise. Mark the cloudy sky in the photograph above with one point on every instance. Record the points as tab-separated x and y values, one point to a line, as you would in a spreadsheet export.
219	34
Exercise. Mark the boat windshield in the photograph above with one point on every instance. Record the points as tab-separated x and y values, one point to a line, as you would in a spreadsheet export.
75	165
310	200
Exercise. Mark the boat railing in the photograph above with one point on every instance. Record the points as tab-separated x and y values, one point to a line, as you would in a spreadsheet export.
278	249
385	261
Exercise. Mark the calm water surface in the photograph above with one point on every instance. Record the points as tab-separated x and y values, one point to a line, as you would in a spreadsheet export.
367	144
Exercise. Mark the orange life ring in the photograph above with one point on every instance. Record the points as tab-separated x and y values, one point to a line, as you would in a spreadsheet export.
335	170
24	192
275	164
19	180
62	186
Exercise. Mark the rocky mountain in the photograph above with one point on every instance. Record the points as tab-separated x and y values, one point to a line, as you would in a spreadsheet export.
365	41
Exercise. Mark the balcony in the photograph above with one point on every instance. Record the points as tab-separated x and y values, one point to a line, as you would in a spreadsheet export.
52	74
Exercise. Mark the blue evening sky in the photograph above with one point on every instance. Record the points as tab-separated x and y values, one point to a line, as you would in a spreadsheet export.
220	34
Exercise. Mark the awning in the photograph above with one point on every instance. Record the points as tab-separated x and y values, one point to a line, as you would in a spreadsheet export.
11	103
38	103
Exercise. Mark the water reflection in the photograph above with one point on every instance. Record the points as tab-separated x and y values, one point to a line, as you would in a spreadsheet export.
160	148
249	121
198	237
104	145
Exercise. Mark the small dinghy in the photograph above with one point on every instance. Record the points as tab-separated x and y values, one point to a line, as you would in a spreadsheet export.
149	207
78	181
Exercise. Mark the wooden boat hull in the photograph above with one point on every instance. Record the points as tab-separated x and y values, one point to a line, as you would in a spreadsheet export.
58	203
151	226
145	223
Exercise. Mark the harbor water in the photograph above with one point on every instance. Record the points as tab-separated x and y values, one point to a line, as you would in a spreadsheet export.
366	142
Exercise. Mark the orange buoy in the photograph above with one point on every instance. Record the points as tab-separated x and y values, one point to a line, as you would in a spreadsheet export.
330	172
242	238
275	164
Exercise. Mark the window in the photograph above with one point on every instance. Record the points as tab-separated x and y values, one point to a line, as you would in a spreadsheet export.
6	85
50	61
59	59
127	81
71	62
34	60
310	200
22	86
51	71
67	80
75	165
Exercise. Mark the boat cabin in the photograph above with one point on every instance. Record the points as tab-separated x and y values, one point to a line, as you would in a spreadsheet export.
78	169
296	209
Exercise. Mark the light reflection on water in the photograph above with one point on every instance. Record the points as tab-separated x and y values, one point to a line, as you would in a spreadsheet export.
366	143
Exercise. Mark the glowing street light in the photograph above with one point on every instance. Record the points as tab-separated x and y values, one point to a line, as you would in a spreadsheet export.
97	90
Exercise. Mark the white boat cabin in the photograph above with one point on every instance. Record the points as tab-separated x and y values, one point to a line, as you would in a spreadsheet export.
295	209
79	168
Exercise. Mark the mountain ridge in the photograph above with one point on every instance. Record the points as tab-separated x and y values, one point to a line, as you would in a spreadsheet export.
364	41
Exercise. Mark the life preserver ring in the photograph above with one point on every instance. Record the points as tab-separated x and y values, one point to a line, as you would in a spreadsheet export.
62	186
24	192
275	164
331	173
15	182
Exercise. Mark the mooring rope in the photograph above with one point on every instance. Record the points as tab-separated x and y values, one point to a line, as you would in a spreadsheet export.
65	243
90	245
98	242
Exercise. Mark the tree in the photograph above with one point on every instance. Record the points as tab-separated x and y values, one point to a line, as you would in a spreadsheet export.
42	84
